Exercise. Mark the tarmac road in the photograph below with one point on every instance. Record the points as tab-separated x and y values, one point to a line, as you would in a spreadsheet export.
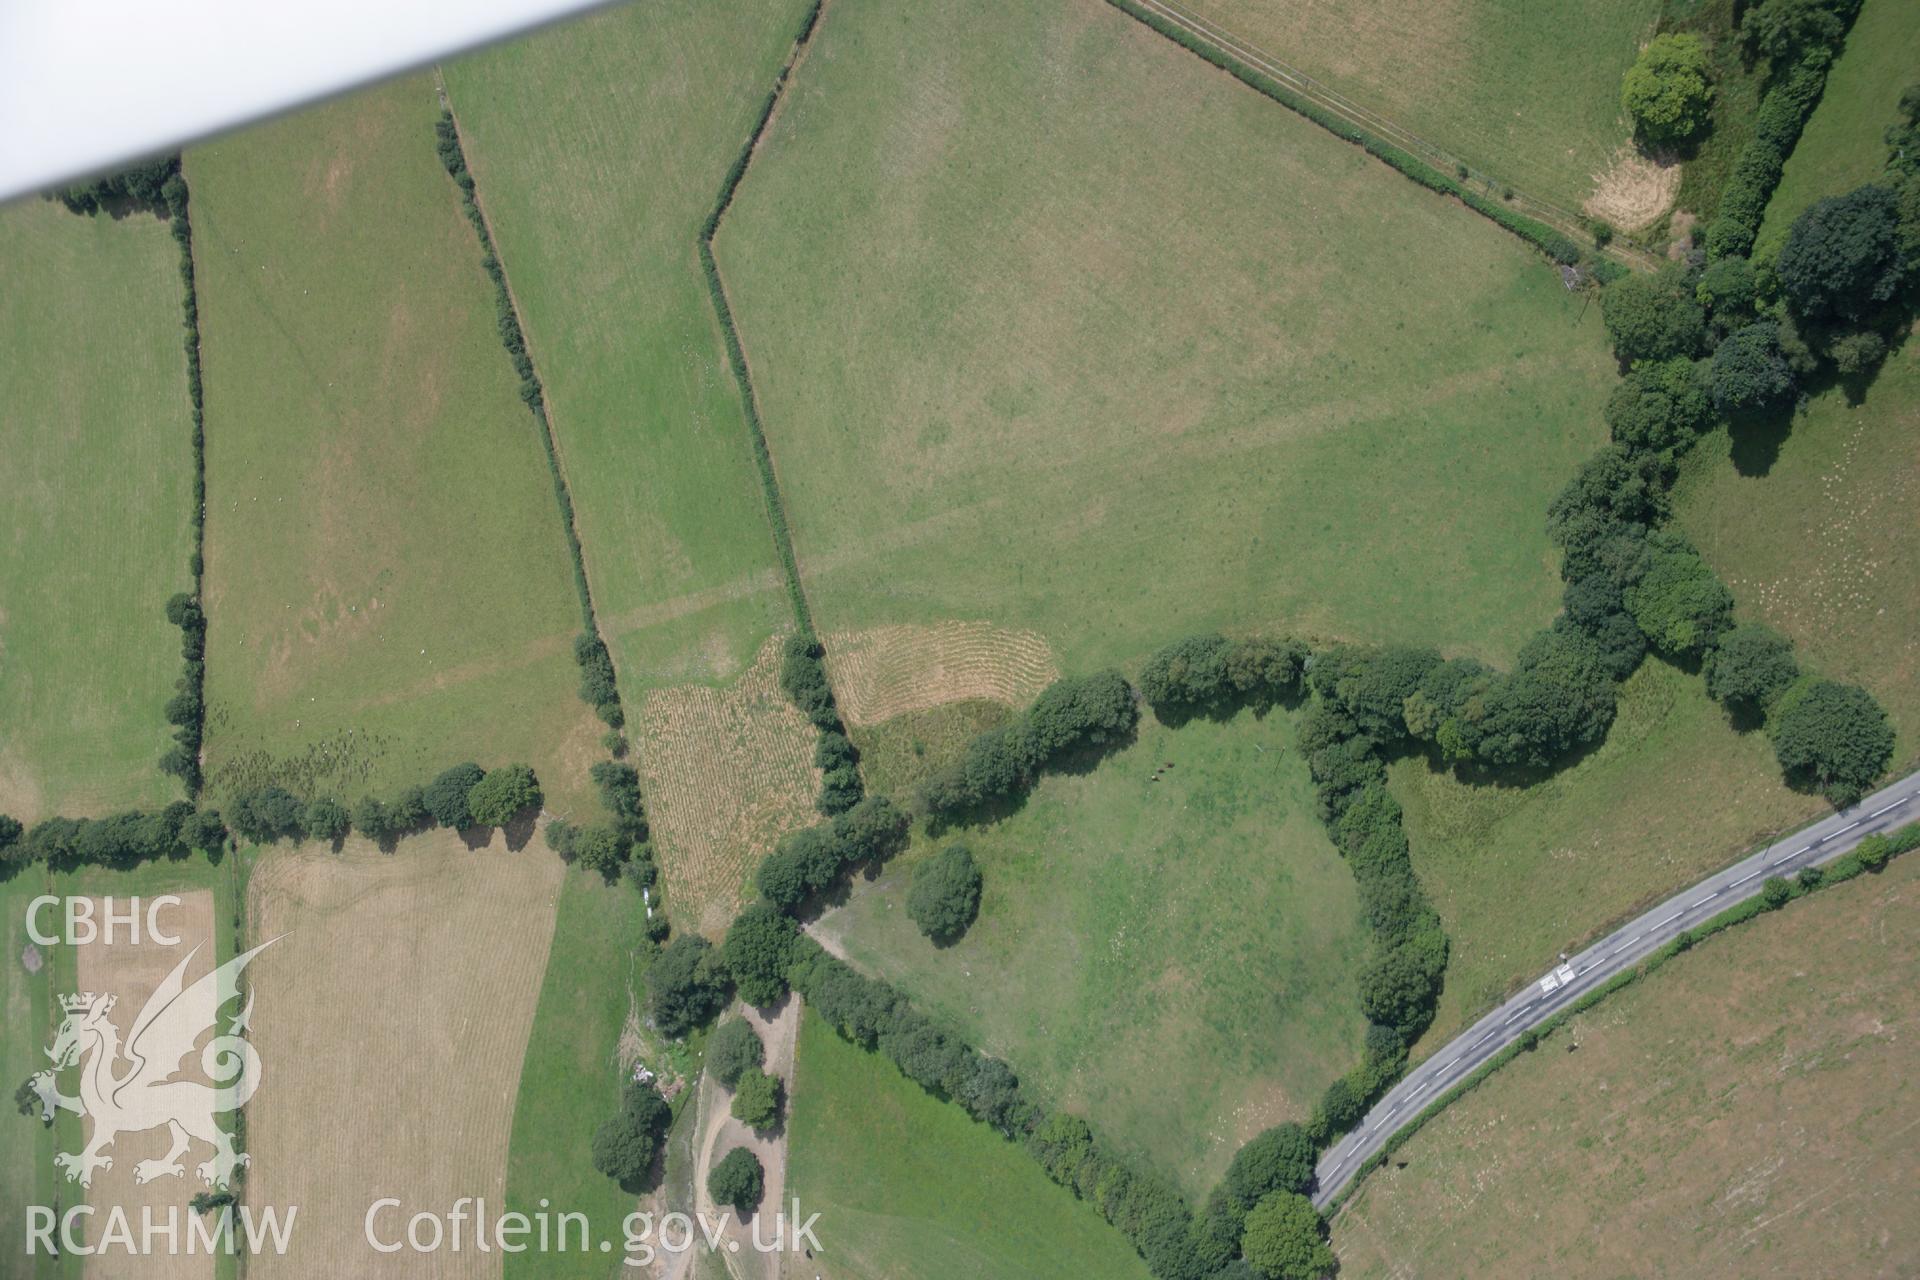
1626	946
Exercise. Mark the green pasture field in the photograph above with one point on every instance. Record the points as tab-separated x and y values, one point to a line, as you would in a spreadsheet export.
388	585
909	1188
1842	145
1520	874
1747	1110
599	147
94	535
1173	960
1056	327
1527	93
1822	543
570	1078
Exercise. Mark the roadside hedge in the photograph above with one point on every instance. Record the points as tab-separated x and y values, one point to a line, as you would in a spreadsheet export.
1870	855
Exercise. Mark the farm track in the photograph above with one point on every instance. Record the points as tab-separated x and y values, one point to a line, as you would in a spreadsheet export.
1566	221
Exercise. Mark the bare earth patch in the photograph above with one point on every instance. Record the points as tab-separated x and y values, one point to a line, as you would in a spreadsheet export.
130	973
726	773
888	671
392	1020
1634	190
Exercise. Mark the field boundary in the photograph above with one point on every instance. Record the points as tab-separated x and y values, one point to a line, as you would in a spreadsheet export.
730	334
1848	866
1552	230
533	390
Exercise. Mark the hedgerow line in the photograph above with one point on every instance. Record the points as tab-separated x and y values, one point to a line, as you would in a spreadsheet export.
803	673
1563	220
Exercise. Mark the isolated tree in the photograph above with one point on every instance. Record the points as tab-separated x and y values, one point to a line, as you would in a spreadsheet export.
1842	259
756	1100
732	1050
1279	1159
1752	665
1285	1239
1749	372
326	819
626	1142
1666	91
738	1180
945	895
502	795
446	795
1831	736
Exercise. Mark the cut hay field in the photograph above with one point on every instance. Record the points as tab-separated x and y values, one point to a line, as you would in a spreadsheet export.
392	1021
908	1188
726	772
388	585
1841	147
1820	541
1058	329
1133	934
1528	93
1521	874
94	533
1747	1110
599	147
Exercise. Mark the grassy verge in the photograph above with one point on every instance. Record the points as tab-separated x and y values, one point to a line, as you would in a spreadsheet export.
1521	873
1778	1033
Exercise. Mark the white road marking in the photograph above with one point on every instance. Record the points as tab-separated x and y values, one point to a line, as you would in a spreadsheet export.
1895	805
1842	831
1670	919
1743	879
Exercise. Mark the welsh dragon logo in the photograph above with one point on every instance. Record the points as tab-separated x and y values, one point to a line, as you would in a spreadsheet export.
133	1088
